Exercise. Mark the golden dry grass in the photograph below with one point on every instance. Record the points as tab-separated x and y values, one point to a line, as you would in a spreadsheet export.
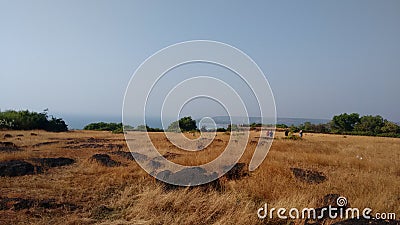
133	197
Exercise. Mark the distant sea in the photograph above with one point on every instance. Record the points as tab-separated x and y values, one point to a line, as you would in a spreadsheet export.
79	122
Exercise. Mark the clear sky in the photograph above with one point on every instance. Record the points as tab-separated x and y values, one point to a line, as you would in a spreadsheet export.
321	57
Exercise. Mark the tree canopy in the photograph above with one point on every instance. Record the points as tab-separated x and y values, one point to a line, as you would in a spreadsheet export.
344	122
26	120
183	125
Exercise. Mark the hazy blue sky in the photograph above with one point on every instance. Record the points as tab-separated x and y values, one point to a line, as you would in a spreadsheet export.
320	57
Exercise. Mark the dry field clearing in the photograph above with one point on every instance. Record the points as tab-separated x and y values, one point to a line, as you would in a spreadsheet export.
99	190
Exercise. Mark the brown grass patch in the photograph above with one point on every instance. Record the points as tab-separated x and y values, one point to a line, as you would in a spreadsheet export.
366	170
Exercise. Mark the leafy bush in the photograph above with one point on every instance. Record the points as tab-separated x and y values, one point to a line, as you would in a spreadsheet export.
344	122
102	126
314	128
353	124
370	124
26	120
294	129
281	126
183	125
390	127
118	131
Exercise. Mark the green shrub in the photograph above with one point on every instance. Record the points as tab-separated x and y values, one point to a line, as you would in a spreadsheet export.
26	120
183	125
102	126
221	129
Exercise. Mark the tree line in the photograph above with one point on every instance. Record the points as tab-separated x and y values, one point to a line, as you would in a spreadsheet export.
26	120
349	124
352	124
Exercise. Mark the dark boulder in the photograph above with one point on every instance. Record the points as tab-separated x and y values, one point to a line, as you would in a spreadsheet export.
195	178
105	160
7	136
15	168
123	154
53	162
154	164
131	155
8	147
191	176
308	176
237	172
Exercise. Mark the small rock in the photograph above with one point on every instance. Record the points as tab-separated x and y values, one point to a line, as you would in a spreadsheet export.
8	147
189	177
53	162
154	164
308	176
131	155
105	160
7	136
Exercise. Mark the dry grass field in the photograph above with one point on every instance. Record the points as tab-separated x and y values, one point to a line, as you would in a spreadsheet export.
366	170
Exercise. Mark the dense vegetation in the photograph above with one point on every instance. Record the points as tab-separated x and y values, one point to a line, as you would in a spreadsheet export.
119	128
183	125
26	120
349	124
102	126
353	124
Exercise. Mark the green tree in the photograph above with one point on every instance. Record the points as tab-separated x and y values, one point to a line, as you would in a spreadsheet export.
344	122
26	120
308	126
370	124
183	125
294	129
102	126
390	127
56	125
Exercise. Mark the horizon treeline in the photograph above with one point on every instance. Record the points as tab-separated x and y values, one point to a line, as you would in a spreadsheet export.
351	124
26	120
348	124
